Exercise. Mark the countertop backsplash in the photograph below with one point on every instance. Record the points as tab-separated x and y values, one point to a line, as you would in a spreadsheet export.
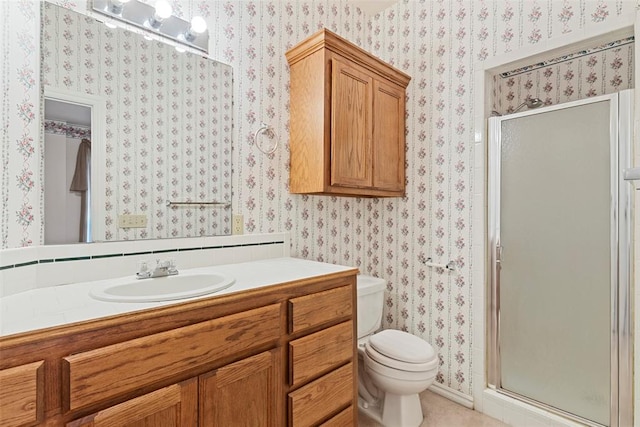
24	269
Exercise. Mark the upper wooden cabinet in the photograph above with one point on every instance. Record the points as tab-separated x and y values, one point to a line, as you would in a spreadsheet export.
347	120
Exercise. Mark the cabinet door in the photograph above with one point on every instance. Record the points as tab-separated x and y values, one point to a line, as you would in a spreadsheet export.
172	406
388	137
243	394
22	395
351	125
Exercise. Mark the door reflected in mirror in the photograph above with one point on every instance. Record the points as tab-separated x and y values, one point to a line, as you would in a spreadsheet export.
67	172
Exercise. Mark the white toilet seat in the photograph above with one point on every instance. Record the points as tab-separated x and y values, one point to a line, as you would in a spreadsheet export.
398	364
401	351
402	346
398	374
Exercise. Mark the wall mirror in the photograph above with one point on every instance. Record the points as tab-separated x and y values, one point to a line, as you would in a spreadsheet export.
160	132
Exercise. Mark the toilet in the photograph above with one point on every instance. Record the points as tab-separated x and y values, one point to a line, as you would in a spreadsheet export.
393	366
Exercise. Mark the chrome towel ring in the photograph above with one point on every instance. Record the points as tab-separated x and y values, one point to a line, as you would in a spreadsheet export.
268	132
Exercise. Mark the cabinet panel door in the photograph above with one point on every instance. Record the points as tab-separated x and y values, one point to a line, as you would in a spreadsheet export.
22	394
351	125
388	137
243	394
172	406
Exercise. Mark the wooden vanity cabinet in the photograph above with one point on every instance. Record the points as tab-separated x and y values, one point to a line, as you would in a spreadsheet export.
347	120
274	356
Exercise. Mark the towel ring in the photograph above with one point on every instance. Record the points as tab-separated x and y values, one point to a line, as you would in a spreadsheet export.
270	133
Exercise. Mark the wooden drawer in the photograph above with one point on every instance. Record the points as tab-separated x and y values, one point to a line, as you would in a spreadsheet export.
175	405
322	397
107	372
321	352
320	308
21	394
345	418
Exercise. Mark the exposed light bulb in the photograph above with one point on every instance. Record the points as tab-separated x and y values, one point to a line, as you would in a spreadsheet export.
163	10
198	26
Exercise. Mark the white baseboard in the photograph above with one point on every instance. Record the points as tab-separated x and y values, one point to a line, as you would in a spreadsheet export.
451	394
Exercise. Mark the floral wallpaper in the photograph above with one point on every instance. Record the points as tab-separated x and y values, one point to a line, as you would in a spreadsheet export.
21	187
168	123
438	43
604	70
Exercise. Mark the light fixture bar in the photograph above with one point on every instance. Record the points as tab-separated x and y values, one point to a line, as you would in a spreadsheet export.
140	14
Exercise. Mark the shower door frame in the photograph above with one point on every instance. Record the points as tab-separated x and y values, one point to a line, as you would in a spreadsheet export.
621	120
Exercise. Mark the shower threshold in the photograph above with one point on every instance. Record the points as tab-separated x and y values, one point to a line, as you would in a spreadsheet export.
543	406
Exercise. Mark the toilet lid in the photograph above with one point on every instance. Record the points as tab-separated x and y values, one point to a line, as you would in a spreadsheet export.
377	358
402	346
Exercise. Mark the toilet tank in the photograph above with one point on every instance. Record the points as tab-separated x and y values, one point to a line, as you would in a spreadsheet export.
370	292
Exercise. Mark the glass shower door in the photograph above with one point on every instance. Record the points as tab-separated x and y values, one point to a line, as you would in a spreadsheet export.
556	255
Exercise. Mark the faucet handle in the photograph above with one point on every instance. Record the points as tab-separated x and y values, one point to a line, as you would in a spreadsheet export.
143	270
143	267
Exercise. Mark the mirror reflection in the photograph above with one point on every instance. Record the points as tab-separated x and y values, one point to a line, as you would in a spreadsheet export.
166	134
67	174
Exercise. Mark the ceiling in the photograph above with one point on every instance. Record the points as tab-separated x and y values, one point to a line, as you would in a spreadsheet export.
67	112
372	7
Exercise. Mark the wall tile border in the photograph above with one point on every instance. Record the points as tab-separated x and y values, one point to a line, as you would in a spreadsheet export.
125	254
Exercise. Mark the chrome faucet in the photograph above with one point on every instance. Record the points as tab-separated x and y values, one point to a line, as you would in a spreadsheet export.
164	268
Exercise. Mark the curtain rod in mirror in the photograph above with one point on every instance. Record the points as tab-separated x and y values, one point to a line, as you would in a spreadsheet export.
157	19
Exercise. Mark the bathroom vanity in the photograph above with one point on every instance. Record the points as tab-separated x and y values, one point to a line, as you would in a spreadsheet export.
269	355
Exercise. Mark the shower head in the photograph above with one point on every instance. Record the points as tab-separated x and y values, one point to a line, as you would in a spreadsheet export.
530	103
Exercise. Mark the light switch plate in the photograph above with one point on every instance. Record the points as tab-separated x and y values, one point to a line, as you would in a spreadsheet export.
132	221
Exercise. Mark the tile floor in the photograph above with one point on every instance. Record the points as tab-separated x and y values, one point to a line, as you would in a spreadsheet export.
442	412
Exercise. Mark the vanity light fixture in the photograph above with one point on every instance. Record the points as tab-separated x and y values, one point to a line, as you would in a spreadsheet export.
157	18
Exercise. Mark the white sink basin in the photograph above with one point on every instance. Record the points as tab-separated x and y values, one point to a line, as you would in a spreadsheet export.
167	288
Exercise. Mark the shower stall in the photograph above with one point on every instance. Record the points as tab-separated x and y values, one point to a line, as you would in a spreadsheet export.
559	237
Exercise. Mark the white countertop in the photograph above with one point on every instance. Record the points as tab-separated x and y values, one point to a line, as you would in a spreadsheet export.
60	305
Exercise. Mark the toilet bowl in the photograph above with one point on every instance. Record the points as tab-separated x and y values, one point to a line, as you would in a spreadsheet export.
395	366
